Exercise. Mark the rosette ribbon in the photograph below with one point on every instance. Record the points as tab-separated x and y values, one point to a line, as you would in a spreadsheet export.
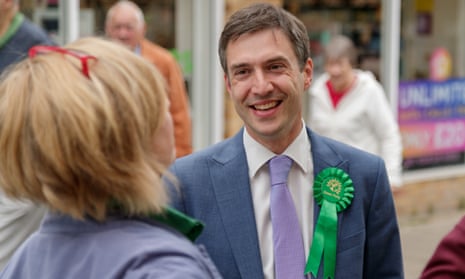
333	191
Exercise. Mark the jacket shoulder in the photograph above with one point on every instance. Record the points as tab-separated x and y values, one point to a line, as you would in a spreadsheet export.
155	52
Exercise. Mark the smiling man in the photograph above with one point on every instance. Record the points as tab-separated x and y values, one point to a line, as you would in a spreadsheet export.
337	199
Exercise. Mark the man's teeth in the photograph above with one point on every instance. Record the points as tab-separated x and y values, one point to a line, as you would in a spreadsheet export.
265	106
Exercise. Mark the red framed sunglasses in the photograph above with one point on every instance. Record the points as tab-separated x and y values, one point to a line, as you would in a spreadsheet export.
84	58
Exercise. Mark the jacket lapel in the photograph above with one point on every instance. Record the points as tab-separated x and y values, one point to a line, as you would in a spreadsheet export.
232	189
324	157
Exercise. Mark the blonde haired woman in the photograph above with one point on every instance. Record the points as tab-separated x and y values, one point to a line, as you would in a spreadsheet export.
86	130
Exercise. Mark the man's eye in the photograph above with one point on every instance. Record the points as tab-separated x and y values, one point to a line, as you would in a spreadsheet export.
240	72
276	66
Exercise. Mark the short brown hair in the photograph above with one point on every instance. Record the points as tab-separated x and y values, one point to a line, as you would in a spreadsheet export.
263	16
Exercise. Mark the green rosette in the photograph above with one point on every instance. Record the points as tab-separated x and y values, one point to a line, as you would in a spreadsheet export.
333	191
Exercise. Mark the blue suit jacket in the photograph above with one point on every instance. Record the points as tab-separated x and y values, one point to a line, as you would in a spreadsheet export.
215	188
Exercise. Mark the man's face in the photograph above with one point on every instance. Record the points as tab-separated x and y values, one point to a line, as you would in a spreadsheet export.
266	86
124	26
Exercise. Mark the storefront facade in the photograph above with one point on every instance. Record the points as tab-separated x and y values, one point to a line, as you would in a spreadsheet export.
431	95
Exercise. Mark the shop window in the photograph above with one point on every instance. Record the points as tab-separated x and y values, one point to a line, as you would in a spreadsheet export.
357	19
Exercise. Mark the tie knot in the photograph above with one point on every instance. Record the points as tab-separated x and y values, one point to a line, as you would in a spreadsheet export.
279	169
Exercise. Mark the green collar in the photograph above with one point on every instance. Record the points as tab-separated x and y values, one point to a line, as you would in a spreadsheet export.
14	26
186	225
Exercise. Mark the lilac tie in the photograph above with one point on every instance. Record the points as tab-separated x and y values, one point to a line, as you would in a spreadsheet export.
289	253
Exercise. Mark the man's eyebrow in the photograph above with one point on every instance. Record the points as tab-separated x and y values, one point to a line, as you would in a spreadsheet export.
277	59
239	65
271	60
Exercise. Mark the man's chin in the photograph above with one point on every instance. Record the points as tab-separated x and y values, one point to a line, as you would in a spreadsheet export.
125	44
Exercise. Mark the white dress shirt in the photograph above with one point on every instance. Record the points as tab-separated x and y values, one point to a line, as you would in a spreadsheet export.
300	183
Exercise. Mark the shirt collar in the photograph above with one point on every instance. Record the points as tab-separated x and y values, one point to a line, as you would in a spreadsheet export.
258	155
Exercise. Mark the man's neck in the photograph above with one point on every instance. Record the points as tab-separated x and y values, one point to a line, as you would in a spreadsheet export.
5	21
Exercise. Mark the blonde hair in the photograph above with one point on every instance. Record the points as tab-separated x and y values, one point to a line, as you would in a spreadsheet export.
77	143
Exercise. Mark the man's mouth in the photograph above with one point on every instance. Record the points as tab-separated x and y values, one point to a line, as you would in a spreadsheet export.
266	106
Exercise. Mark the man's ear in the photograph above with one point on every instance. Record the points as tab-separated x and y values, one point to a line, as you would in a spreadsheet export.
308	73
227	82
144	29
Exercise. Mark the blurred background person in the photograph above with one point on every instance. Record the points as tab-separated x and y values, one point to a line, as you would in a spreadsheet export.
125	23
349	105
18	219
92	144
17	34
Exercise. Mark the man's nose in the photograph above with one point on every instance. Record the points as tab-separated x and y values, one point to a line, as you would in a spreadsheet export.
122	32
261	84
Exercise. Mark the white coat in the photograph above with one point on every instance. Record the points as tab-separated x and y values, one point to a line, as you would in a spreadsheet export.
362	118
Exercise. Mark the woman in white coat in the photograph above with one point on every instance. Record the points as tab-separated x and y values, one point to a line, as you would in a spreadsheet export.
350	105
